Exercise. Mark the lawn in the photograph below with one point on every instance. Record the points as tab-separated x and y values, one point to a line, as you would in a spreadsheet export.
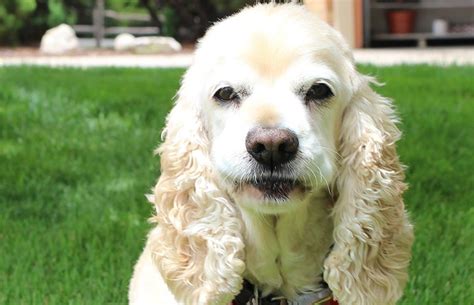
76	160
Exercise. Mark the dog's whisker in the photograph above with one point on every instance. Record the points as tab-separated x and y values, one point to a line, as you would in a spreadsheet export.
325	181
331	150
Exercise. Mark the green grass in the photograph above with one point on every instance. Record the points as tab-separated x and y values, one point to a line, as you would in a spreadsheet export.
76	158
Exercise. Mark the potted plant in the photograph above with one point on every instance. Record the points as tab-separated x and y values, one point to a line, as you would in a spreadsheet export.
401	21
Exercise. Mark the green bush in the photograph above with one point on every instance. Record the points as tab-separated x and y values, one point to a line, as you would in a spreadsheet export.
12	16
58	13
24	21
189	22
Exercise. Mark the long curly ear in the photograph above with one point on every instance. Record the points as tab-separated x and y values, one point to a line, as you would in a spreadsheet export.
373	236
197	244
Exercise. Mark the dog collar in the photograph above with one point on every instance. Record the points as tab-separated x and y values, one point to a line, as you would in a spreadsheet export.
249	295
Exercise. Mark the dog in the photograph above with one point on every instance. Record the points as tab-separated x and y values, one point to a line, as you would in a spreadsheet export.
279	172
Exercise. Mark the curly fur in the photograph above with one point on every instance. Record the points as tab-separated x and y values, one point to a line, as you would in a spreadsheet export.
373	236
199	247
206	240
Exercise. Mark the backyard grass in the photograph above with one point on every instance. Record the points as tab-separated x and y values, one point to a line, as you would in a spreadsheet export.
76	160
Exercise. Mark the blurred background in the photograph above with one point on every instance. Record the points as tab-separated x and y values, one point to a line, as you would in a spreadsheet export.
115	24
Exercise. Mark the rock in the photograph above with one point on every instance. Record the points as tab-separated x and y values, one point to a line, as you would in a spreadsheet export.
147	45
59	40
124	42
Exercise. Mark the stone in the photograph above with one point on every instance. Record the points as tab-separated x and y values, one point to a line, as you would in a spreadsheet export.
59	40
154	44
146	45
124	42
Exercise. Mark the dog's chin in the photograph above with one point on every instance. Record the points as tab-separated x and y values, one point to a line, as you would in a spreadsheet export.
275	189
270	194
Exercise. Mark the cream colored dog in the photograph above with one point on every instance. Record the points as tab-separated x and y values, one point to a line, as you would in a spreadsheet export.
278	166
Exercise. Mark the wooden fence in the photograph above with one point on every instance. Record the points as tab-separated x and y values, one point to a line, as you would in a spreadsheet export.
99	30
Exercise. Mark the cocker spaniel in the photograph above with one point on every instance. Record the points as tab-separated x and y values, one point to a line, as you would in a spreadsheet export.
279	172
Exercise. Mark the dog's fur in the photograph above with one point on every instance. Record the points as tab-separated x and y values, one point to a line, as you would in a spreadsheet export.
213	228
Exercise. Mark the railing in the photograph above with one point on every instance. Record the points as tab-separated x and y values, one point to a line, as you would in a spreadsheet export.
99	30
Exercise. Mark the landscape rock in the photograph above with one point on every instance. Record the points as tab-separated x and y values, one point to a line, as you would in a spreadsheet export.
124	42
146	45
59	40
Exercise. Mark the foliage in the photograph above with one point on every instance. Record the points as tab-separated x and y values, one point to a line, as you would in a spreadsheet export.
189	20
12	15
57	13
76	158
27	20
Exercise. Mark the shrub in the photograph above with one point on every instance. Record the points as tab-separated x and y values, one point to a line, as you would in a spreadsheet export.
23	21
12	16
188	20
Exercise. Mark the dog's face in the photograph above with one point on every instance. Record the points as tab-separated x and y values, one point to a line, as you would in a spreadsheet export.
272	96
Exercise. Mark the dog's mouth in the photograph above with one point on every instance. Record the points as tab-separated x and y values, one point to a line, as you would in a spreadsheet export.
274	189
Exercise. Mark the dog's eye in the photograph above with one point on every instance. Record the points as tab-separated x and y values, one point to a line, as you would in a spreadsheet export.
318	92
226	94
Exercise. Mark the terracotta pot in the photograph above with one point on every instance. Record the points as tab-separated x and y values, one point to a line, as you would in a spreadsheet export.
401	21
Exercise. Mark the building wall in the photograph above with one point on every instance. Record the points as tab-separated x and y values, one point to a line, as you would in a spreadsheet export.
343	15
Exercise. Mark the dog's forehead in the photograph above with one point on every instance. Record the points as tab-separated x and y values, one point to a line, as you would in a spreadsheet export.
268	38
268	55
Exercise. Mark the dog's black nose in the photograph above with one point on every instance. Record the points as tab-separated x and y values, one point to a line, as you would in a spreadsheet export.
272	146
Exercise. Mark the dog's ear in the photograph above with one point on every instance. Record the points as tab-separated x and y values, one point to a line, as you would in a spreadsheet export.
197	245
373	236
